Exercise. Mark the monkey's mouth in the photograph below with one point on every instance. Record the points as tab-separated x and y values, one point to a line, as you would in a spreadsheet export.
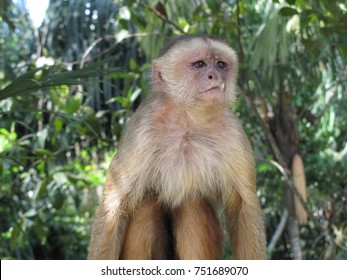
213	92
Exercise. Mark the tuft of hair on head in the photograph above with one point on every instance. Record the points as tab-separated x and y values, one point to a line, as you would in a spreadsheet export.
187	37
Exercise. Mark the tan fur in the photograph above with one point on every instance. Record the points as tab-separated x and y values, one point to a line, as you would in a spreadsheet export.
147	234
183	153
244	235
197	231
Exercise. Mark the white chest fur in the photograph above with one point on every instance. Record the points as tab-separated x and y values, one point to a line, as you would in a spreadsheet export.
189	164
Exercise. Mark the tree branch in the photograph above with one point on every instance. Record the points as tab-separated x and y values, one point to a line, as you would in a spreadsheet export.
161	16
280	164
279	230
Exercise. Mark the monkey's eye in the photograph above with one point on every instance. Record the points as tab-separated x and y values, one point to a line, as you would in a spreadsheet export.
199	64
221	65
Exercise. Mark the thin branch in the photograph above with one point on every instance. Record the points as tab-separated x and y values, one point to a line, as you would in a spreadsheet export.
89	49
333	94
38	42
241	53
279	230
294	189
97	41
161	16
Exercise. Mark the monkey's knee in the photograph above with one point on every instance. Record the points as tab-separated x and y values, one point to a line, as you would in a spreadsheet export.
147	236
197	231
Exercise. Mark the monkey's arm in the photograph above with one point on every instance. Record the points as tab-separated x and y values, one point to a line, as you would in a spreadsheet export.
244	217
124	189
109	227
246	229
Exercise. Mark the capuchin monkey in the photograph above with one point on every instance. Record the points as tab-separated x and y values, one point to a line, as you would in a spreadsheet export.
184	157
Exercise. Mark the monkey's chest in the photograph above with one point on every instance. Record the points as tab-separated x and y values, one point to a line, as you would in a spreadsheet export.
189	165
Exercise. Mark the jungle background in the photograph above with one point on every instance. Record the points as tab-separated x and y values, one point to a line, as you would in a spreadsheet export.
69	84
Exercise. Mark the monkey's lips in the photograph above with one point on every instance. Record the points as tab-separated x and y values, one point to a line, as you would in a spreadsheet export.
215	92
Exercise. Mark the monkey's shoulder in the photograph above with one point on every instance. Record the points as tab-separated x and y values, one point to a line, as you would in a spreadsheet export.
176	155
170	126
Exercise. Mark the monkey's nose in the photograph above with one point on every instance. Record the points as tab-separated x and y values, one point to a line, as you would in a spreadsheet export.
213	76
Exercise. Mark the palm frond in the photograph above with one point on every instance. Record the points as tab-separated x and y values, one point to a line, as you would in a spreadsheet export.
51	76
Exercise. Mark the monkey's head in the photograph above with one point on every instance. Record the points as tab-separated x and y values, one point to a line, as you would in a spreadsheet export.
196	70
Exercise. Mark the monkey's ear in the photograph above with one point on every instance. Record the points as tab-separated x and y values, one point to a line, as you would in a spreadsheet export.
157	77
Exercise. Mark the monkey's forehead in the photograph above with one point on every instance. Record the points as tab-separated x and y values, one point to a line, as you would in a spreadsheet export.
195	48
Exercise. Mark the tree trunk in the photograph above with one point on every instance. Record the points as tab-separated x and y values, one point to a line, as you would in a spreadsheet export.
284	130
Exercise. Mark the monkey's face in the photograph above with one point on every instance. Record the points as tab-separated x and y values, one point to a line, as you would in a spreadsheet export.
198	72
209	74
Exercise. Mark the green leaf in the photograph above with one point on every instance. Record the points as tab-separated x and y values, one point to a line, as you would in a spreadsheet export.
30	213
58	200
138	20
41	232
41	137
54	76
213	5
58	124
125	102
73	103
288	12
133	65
16	235
44	152
40	189
135	94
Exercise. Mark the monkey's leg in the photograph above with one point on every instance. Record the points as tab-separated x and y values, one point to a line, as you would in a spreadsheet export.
197	231
246	228
147	236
